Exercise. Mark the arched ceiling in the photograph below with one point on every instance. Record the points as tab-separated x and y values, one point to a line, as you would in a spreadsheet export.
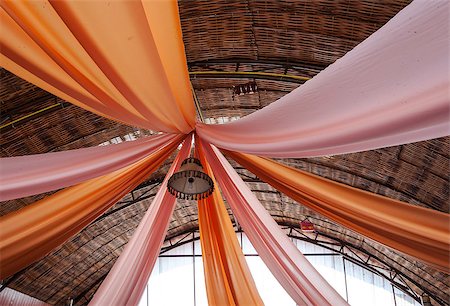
278	44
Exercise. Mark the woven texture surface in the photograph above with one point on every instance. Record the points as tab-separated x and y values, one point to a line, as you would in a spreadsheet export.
235	38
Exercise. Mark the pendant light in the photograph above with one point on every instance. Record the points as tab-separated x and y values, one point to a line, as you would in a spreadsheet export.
190	183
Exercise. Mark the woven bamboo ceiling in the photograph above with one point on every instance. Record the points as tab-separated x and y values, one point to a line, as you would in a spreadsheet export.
277	44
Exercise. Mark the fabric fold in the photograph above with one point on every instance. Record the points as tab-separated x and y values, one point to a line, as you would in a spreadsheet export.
128	277
32	232
227	276
27	175
416	231
136	76
293	271
389	90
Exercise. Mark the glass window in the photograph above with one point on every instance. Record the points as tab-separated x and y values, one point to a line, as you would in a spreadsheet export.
144	301
247	246
168	274
130	137
180	271
200	287
197	247
403	299
184	249
309	248
331	267
268	287
367	288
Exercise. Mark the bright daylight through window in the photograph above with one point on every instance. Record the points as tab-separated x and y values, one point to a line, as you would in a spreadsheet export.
182	268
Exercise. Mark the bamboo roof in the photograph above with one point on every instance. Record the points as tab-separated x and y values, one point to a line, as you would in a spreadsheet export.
276	43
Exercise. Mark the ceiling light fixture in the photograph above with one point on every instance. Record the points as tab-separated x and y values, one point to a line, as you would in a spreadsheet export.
307	226
243	89
190	183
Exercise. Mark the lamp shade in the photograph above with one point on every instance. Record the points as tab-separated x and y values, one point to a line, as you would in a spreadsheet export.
190	183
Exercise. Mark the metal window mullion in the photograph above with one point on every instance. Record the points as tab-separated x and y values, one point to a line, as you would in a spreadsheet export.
345	279
193	267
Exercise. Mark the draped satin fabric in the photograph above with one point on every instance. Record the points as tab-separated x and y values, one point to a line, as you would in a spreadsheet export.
416	231
391	89
128	277
34	174
124	60
227	276
32	232
293	271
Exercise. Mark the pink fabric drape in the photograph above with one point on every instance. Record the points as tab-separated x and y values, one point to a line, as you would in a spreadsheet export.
294	272
28	234
227	276
126	281
391	89
34	174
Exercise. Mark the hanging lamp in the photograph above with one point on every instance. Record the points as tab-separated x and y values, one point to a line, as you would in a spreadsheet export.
190	183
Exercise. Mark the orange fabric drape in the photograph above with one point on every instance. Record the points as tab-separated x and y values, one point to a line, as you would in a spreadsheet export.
124	60
127	279
30	233
227	276
420	232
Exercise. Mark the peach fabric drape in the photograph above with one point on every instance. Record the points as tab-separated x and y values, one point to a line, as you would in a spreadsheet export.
416	231
128	277
123	60
391	89
293	271
227	276
34	174
30	233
